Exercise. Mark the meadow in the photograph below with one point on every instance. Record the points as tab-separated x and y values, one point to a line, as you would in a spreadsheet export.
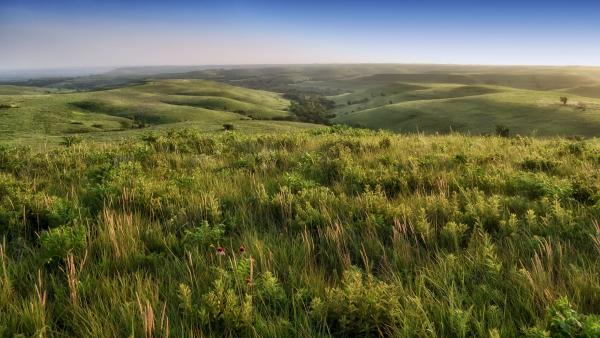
302	201
327	232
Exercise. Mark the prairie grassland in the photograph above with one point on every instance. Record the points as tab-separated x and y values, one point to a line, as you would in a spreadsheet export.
329	232
476	109
33	114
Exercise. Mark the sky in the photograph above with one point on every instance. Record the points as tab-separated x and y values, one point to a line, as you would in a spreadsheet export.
110	33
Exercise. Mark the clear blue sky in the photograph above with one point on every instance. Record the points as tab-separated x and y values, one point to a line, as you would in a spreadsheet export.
85	33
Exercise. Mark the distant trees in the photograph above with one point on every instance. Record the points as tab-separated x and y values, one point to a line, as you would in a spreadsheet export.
564	100
312	108
69	141
364	100
502	130
138	122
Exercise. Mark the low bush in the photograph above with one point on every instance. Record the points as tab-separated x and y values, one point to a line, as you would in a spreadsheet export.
362	306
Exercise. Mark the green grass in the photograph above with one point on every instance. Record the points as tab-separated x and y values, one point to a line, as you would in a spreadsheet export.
30	115
401	98
287	229
535	78
345	232
23	90
468	108
589	91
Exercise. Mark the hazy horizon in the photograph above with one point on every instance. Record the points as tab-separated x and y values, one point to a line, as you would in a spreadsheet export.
112	34
251	65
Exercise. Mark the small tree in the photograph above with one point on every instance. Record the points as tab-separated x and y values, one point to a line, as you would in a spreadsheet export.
564	100
502	130
69	141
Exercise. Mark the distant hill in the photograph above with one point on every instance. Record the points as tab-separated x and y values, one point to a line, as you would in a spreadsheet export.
36	112
589	91
468	108
329	79
402	98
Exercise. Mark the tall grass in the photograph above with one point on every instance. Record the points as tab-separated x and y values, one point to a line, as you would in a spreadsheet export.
336	232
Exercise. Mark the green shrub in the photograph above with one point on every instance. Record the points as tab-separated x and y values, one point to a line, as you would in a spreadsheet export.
452	235
296	182
205	235
70	141
385	143
56	243
538	185
564	321
577	148
235	300
502	130
531	164
363	306
226	310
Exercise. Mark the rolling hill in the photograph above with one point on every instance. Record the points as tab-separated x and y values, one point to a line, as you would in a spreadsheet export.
589	91
401	98
331	79
27	112
467	108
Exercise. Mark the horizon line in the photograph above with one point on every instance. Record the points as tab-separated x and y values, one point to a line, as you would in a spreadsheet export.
115	67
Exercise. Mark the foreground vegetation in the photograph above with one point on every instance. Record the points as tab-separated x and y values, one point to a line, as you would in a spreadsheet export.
329	232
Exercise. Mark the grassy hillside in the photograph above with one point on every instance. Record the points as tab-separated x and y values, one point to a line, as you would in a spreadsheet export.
468	108
405	98
336	232
24	90
589	91
34	114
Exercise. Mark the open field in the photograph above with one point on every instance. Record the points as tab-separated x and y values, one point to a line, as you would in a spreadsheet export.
331	232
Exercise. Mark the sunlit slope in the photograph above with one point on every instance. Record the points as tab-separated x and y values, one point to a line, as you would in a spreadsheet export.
24	90
152	105
400	92
589	91
475	109
533	78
